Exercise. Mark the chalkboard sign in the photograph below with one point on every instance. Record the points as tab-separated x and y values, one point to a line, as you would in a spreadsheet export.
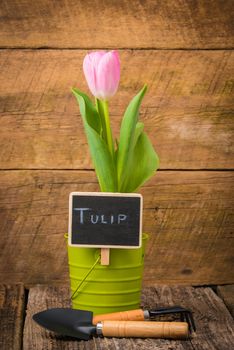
105	220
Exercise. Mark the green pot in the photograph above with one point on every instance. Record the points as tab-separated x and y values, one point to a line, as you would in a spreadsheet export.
112	288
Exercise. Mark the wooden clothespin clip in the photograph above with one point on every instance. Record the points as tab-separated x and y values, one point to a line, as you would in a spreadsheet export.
105	256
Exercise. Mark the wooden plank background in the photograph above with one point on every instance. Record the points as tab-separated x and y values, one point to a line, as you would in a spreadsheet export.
187	110
188	214
107	23
183	51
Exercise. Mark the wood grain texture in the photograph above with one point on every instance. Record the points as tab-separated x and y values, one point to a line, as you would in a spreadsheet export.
145	329
214	323
107	23
11	316
187	111
188	214
227	294
134	315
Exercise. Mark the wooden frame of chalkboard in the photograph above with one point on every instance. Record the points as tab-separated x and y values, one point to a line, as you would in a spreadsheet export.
117	222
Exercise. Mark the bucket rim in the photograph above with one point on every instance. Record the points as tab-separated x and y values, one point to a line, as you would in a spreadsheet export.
145	236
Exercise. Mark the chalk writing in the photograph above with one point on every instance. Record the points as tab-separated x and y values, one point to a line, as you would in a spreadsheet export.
86	215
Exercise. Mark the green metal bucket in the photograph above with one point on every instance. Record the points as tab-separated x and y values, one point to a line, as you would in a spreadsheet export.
103	289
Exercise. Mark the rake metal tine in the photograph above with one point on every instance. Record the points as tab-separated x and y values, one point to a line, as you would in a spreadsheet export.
184	314
188	321
167	310
192	320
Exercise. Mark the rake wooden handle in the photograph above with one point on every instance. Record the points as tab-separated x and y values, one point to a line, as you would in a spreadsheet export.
132	315
168	330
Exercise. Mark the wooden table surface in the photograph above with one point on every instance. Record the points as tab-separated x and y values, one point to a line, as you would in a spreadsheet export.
214	322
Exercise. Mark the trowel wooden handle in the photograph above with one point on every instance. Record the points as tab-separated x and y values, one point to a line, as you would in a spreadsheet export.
134	315
147	329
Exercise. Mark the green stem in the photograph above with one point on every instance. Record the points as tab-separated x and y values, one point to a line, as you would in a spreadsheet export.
108	128
103	110
101	114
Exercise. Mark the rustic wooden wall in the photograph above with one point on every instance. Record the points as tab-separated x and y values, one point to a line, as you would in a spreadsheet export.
183	50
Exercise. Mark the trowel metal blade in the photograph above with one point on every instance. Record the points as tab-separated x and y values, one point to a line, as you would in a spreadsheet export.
65	321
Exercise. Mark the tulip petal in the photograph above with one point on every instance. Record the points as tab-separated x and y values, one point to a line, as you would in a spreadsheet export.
90	65
108	75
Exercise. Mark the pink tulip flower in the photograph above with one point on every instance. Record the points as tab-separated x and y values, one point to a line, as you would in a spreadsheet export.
102	72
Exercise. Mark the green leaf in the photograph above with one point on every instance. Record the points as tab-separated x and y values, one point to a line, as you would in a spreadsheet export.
102	159
143	164
89	111
138	131
100	110
127	135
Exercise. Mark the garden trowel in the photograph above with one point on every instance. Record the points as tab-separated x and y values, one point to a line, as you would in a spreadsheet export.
81	324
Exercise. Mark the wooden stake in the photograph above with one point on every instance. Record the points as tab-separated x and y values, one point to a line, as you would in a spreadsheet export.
105	256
